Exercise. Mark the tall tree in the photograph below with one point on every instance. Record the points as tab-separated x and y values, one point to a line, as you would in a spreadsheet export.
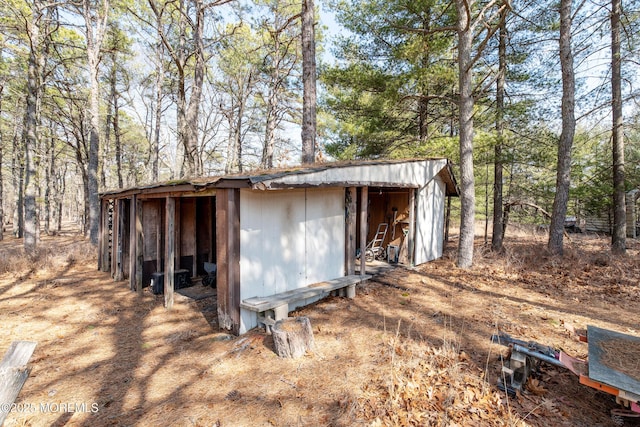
465	113
239	63
281	56
565	143
309	99
619	235
2	85
188	112
95	23
498	212
391	88
483	20
41	18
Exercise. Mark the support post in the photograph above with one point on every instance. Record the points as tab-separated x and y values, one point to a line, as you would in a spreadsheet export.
228	258
212	229
350	220
100	236
178	233
194	260
132	243
159	225
118	272
447	219
364	209
412	226
139	251
170	251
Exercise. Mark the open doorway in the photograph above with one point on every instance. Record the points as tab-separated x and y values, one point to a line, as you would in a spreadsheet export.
388	227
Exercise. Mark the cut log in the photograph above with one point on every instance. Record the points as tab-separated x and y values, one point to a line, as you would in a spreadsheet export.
293	337
13	374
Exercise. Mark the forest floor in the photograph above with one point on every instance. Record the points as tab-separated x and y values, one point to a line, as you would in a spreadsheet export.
413	347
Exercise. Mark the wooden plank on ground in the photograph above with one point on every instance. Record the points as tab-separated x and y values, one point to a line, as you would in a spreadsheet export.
260	304
14	373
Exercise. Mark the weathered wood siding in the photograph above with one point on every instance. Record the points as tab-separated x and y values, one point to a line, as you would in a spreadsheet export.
430	204
289	239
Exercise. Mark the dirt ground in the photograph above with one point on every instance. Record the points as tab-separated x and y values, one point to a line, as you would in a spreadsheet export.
413	347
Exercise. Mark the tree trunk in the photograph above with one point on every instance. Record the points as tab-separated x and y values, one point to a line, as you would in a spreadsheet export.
556	230
194	163
155	146
30	132
95	26
619	235
17	166
1	180
293	337
309	82
466	102
497	236
60	190
48	178
116	133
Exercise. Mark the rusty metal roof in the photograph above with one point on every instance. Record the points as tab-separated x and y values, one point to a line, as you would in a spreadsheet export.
278	178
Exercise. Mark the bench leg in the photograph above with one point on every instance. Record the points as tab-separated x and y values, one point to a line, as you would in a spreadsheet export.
281	312
351	291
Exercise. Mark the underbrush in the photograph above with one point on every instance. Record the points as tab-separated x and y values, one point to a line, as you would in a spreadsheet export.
51	255
422	384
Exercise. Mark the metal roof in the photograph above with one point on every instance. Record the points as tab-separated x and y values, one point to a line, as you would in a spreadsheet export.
378	173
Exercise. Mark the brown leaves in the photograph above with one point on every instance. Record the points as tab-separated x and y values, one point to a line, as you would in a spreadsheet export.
427	385
535	387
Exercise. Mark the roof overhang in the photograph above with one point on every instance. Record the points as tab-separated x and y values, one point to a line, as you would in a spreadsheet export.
384	174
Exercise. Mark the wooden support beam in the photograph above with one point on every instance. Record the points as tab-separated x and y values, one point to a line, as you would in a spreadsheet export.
228	258
115	244
170	251
212	231
132	243
138	253
100	236
351	198
159	226
447	219
119	275
194	261
412	227
364	210
178	235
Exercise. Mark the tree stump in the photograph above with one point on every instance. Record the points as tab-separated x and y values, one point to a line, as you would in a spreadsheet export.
293	337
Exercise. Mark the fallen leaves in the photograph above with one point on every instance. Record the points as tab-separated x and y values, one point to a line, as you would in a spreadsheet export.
430	385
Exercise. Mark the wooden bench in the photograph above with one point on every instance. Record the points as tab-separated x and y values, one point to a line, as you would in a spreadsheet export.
272	308
13	374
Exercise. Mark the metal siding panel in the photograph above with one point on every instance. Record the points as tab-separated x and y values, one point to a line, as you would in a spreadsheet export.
325	238
430	222
271	242
289	239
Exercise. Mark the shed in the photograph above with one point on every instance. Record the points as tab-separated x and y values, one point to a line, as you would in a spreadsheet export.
274	232
602	221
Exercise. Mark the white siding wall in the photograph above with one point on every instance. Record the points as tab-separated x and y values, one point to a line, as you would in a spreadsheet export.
430	221
289	239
